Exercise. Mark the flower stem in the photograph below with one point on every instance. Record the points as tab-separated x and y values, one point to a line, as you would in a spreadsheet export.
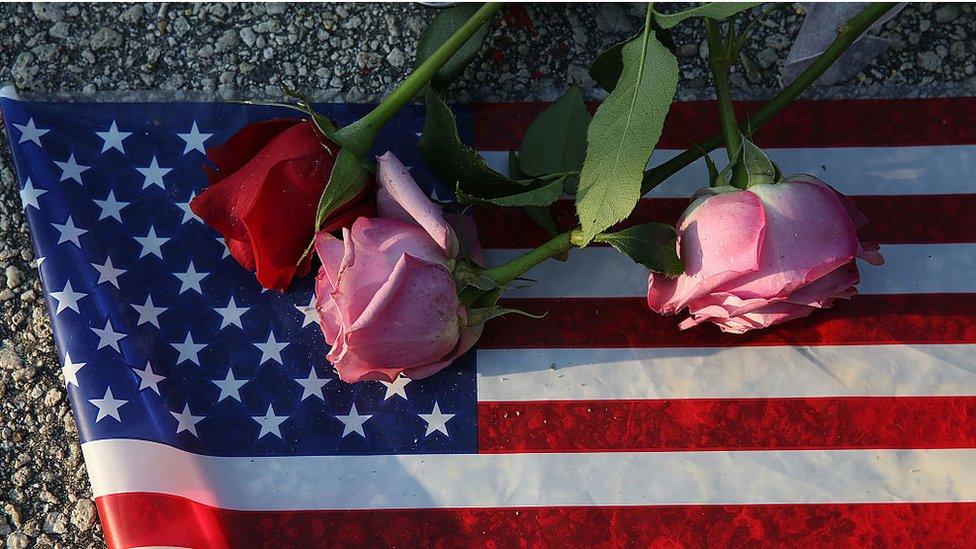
560	244
719	61
846	35
358	137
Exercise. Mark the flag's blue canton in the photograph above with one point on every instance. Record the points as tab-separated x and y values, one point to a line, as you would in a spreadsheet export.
162	335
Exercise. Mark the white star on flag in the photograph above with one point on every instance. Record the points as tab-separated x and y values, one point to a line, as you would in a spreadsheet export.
69	233
108	406
154	174
71	169
353	422
108	273
312	385
29	195
190	279
30	132
436	421
148	312
188	214
397	388
231	314
271	349
269	423
148	379
70	370
187	421
311	315
67	299
194	140
189	350
223	244
229	386
108	337
151	244
113	138
110	206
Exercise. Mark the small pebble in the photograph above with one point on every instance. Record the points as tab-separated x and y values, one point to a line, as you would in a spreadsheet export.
84	514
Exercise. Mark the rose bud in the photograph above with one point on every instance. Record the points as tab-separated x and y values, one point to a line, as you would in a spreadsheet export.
263	194
386	294
761	256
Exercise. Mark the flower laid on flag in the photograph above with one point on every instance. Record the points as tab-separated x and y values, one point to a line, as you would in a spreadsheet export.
386	295
403	289
265	184
764	255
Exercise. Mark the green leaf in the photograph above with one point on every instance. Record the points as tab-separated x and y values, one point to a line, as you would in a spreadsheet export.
514	171
441	27
458	164
650	244
348	177
606	68
758	168
555	142
449	158
623	133
712	10
540	194
543	218
713	173
540	214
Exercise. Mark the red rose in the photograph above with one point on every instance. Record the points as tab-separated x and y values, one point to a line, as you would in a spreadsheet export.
263	195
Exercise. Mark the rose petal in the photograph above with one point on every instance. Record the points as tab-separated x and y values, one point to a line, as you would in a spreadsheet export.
853	211
281	224
719	241
764	317
411	321
838	284
331	251
469	336
869	251
240	250
808	234
353	369
237	151
374	246
467	232
396	182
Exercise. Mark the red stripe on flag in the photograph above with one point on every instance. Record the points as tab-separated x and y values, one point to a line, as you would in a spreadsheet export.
803	124
727	424
948	219
133	520
627	322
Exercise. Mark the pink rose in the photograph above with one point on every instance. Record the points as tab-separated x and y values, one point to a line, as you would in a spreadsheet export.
386	294
761	256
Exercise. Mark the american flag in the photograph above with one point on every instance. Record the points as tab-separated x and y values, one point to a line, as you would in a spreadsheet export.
209	416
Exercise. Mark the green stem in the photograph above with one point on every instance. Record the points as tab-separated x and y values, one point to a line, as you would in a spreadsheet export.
358	137
846	35
560	244
719	61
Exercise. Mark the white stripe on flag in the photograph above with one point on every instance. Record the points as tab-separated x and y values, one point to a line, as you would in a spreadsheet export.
605	272
941	169
532	480
730	372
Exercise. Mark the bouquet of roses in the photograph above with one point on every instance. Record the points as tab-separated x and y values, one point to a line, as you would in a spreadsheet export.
402	287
